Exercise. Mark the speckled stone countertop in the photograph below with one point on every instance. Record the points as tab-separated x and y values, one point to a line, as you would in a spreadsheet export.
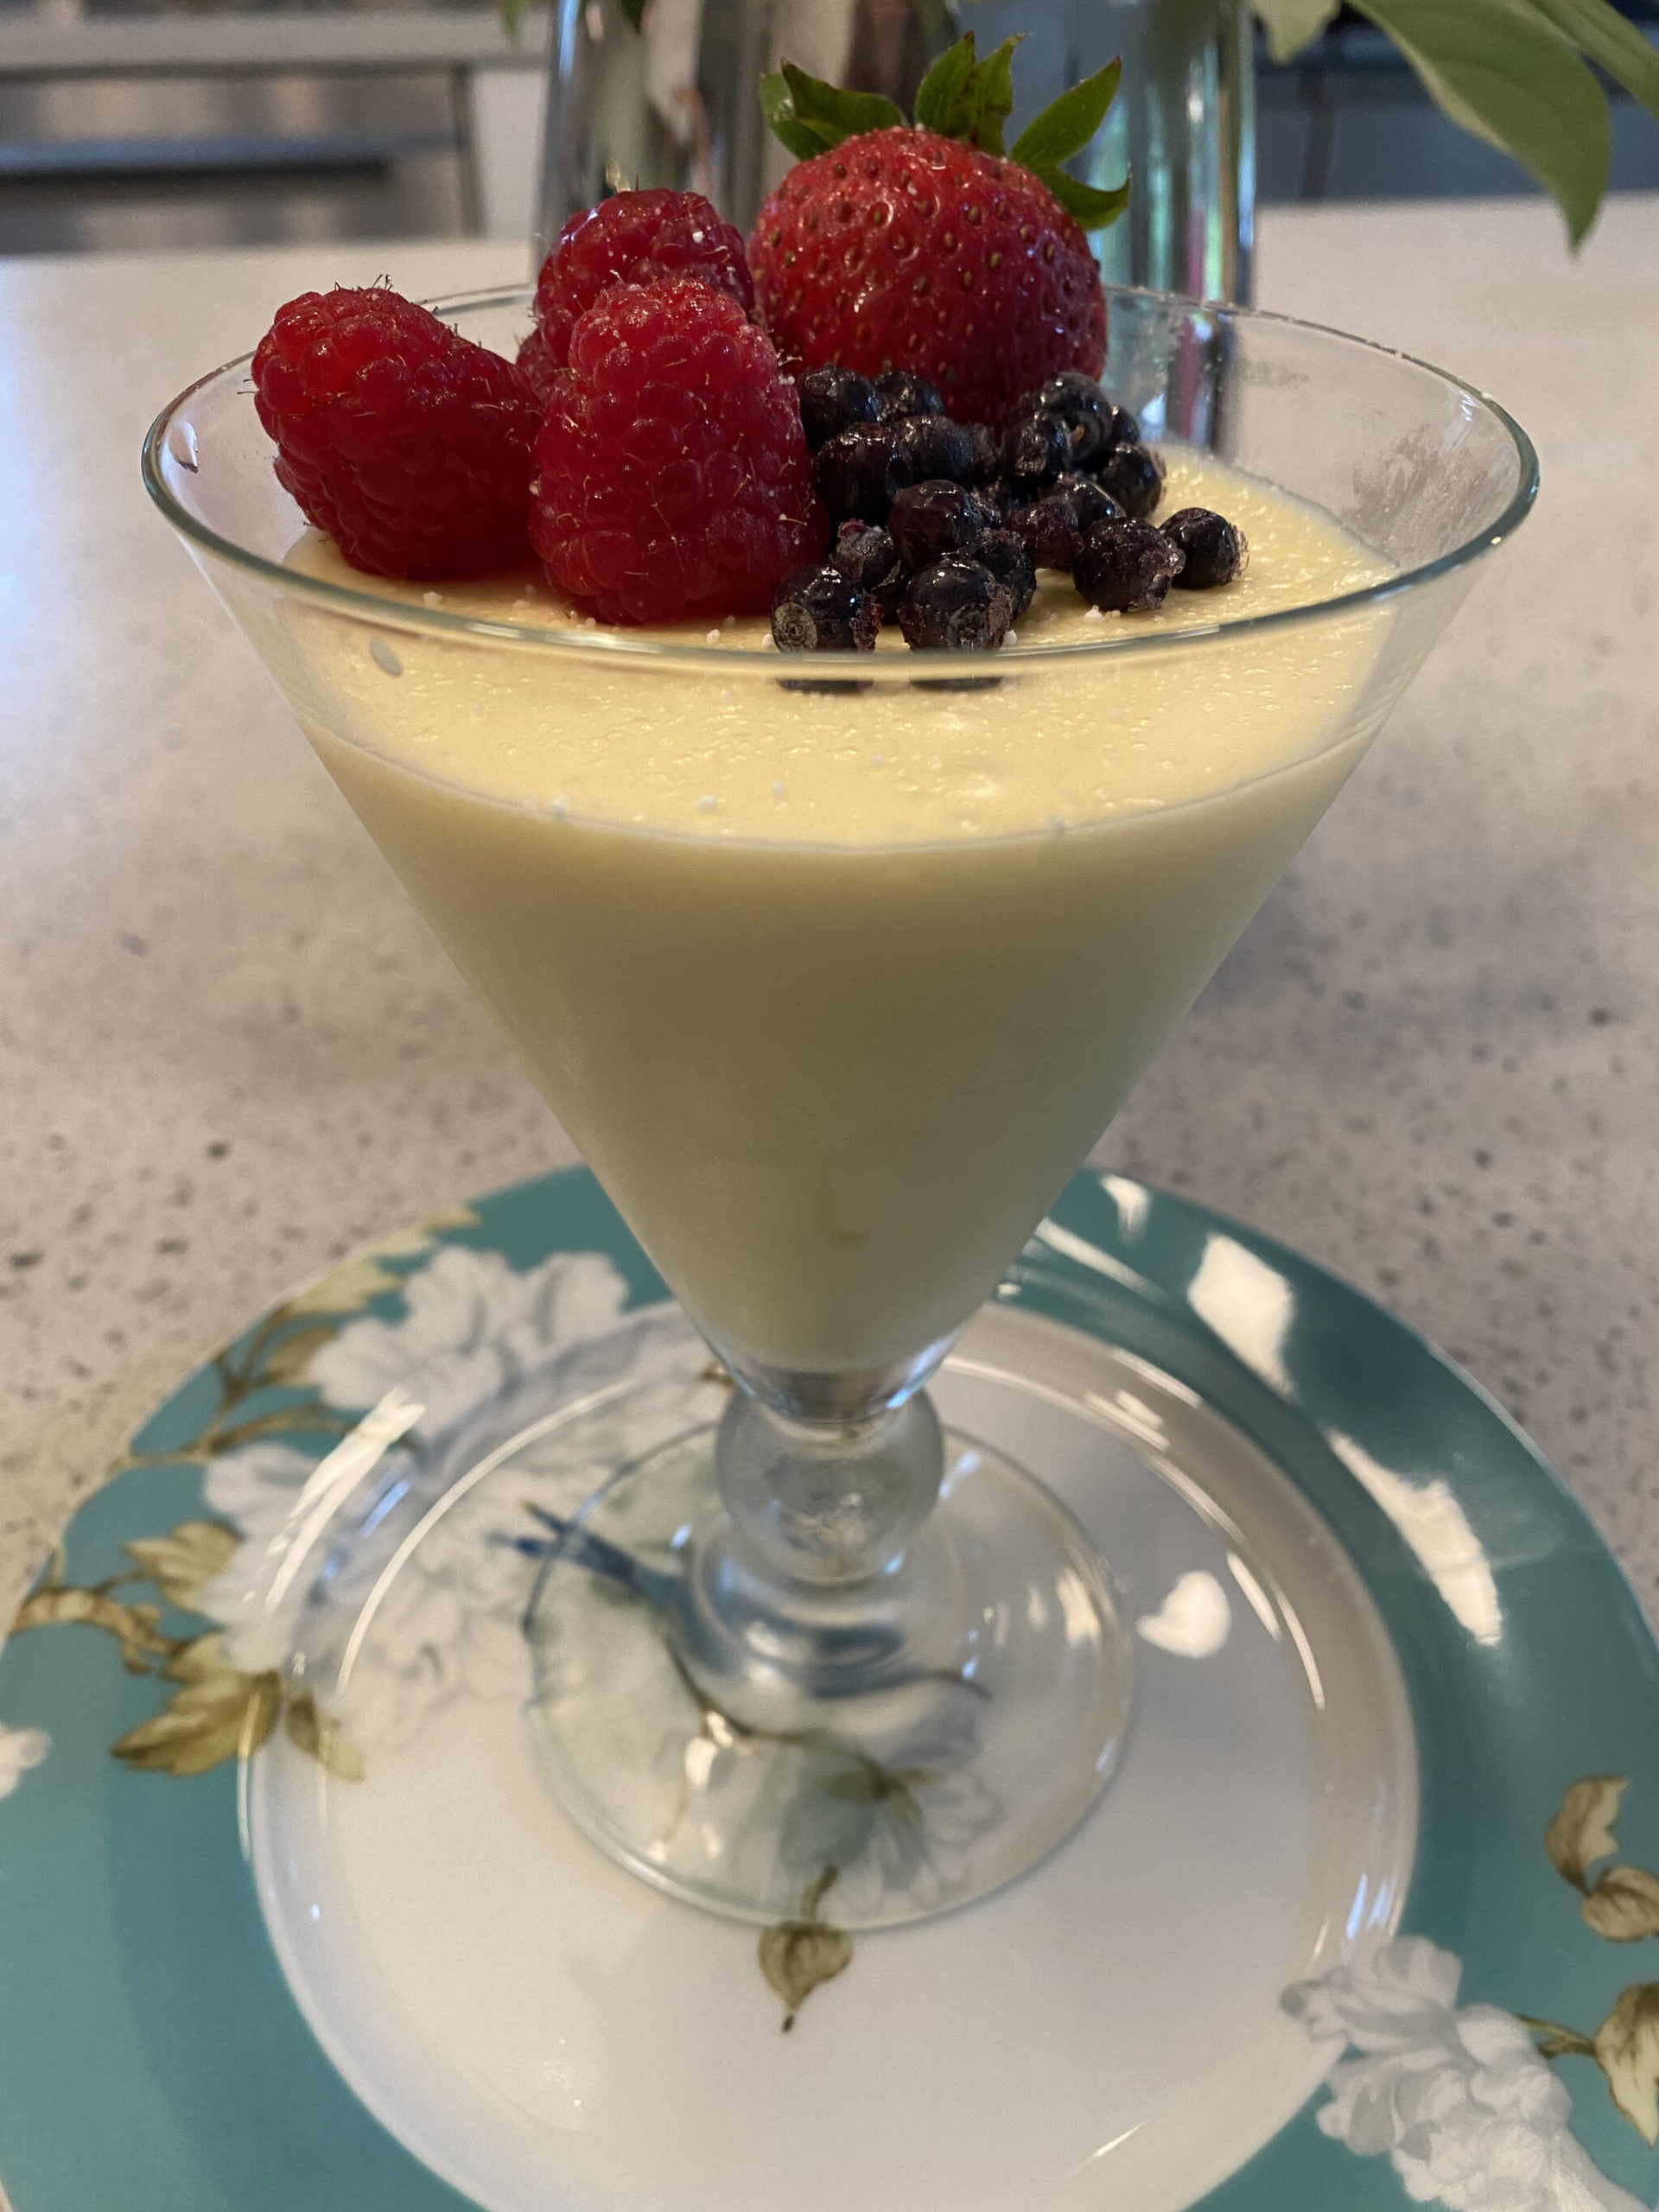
229	1051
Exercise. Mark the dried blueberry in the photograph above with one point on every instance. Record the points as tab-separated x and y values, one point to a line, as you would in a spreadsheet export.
1049	531
866	553
986	449
1215	550
1002	499
956	606
929	520
1091	502
1054	527
1001	552
1134	477
901	393
820	610
1126	567
860	471
936	446
1081	410
1034	451
832	400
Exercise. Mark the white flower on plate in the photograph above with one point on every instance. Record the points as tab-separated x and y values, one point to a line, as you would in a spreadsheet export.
488	1352
907	1825
1470	2114
474	1324
20	1749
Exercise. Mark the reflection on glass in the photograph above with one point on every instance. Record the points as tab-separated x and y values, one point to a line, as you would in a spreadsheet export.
674	103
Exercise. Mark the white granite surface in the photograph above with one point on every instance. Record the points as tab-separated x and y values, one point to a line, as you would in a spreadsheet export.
229	1050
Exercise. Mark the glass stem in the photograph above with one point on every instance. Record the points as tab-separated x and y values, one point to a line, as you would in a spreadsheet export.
827	1503
820	1578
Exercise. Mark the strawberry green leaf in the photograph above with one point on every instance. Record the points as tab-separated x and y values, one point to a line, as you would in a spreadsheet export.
962	97
634	10
986	100
1092	208
1066	127
832	114
1613	43
940	91
777	105
1498	70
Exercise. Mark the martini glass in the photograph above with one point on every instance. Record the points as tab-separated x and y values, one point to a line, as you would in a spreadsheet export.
832	1086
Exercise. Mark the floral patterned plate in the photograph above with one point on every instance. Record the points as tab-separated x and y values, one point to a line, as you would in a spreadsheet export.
1362	1923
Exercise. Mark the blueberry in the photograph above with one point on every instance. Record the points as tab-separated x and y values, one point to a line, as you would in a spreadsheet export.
986	450
1049	531
867	554
1134	478
821	611
1126	567
957	607
860	472
832	400
901	393
1002	497
1082	410
929	520
1054	527
1034	451
864	552
1215	549
1001	552
1091	502
936	446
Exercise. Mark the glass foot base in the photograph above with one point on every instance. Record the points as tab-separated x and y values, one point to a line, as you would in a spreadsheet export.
679	1726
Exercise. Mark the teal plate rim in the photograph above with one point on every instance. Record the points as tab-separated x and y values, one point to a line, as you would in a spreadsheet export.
152	2058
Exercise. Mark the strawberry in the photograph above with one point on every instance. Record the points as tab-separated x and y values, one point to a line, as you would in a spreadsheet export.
922	246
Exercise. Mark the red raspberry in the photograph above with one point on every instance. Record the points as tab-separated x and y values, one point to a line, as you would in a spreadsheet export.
636	238
537	365
673	479
902	250
407	443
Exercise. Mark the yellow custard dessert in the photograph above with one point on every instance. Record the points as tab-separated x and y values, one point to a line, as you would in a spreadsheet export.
834	988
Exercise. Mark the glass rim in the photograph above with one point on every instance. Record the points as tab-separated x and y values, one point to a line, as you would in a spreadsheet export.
368	605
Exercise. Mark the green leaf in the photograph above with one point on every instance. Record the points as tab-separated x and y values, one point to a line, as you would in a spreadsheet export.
833	114
962	97
1611	42
186	1560
1291	24
634	10
1066	125
1502	73
988	100
319	1735
777	105
348	1290
939	91
798	1956
1092	208
1581	1829
220	1713
1623	1906
1627	2050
